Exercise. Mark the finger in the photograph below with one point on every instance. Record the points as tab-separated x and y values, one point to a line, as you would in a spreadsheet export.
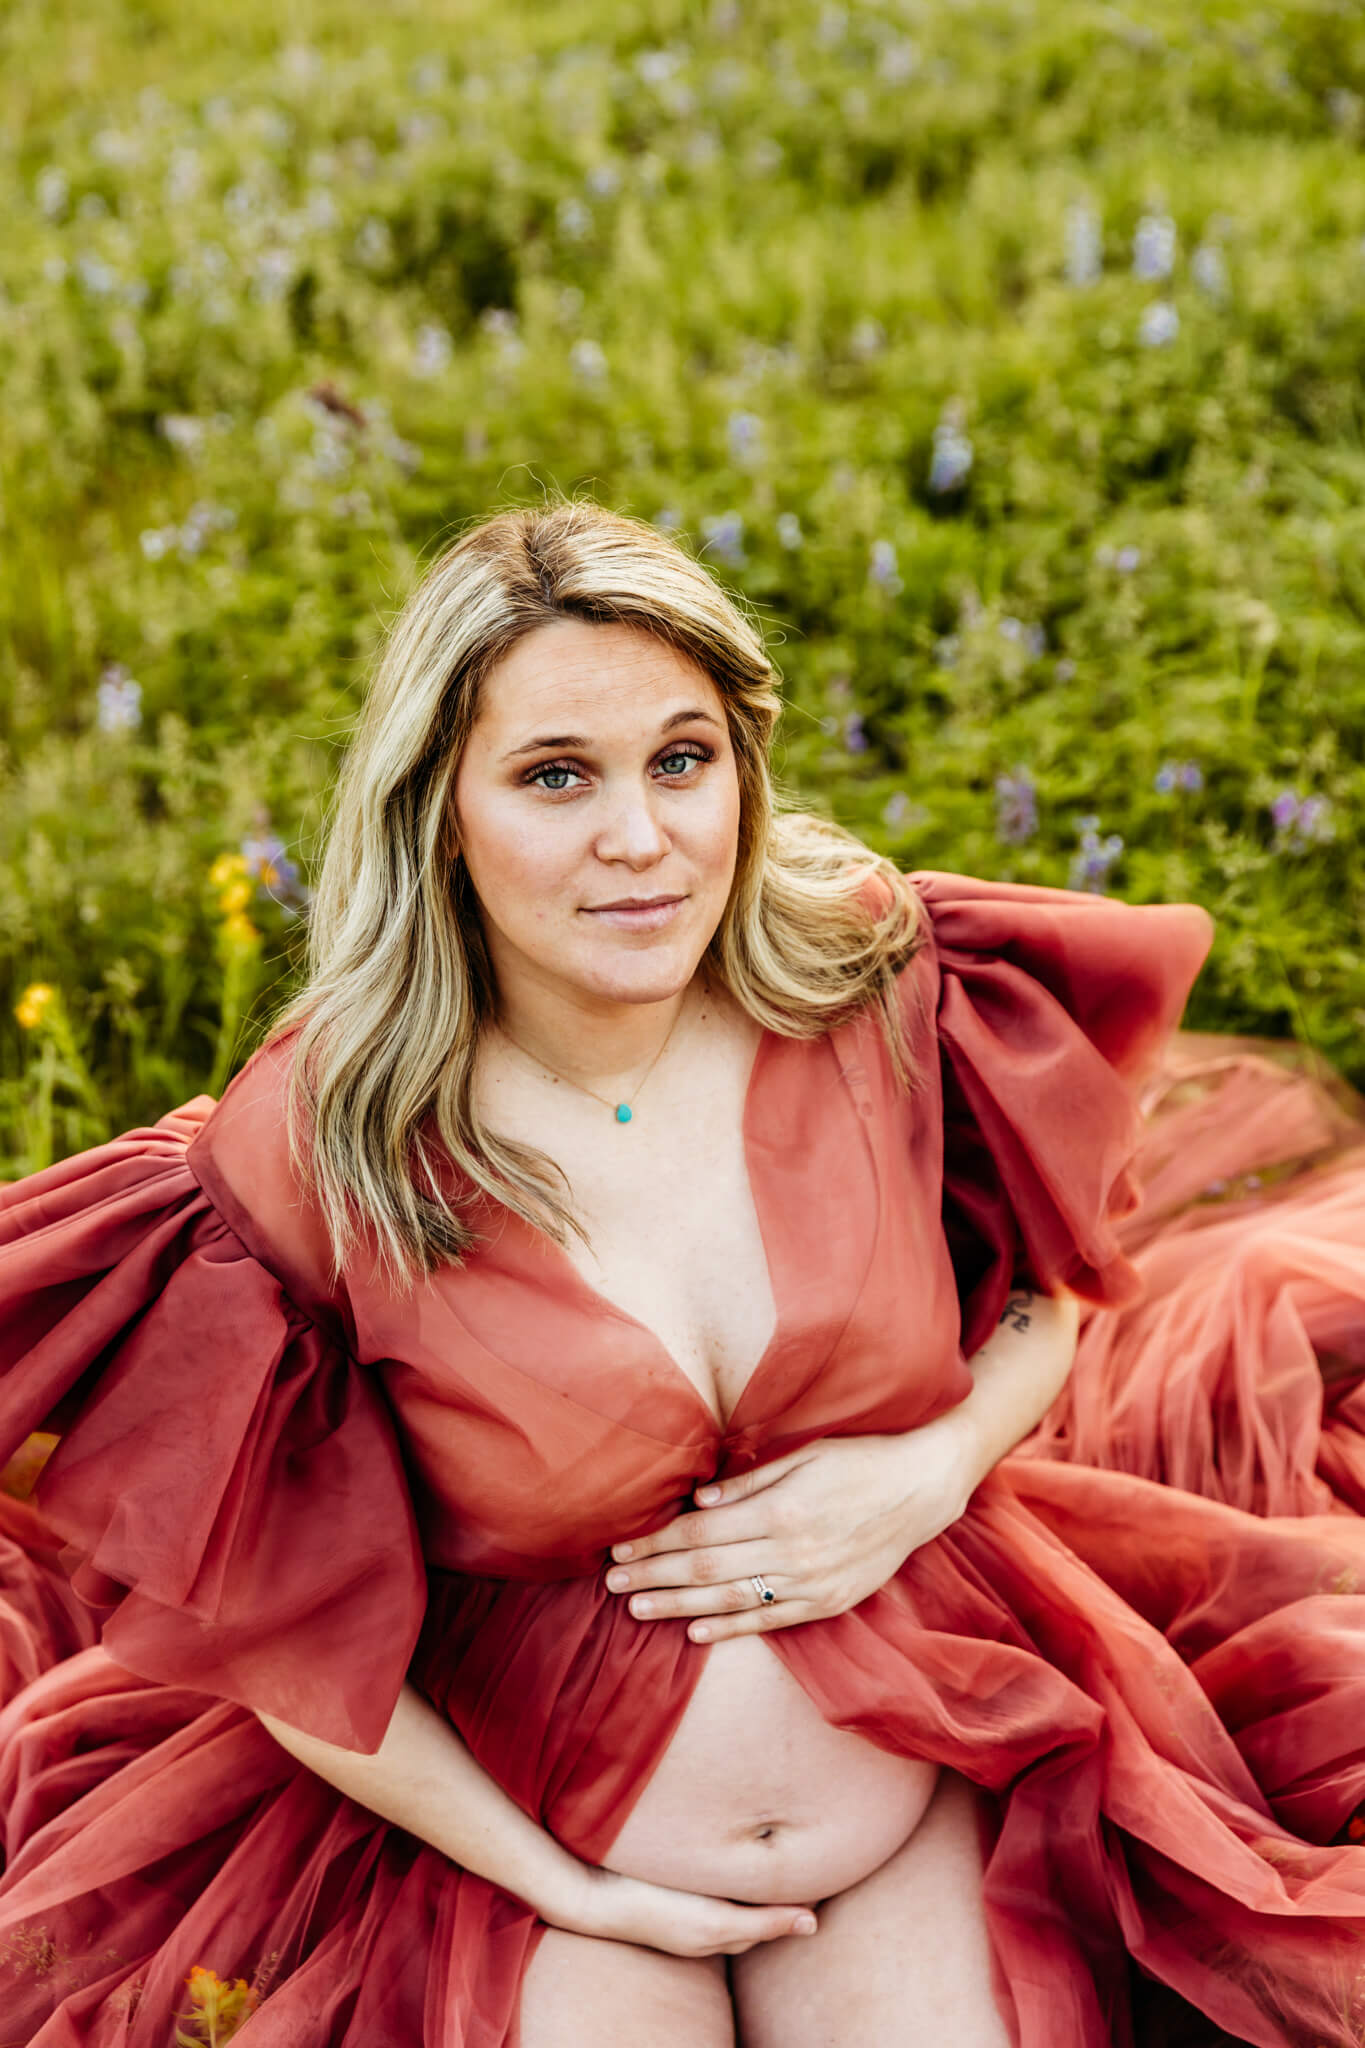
754	1621
695	1532
732	1597
694	1567
722	1492
771	1923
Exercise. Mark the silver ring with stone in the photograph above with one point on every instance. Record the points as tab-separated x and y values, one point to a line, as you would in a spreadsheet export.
763	1590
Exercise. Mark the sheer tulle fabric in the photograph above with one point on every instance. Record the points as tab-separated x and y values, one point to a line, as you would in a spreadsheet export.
211	1436
1145	1639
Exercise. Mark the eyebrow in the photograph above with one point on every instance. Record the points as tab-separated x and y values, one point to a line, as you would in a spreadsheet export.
552	741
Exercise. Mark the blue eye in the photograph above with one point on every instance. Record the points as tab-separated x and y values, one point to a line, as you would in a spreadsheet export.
557	777
685	755
558	769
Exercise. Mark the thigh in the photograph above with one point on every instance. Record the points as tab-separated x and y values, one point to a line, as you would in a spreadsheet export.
901	1958
583	1993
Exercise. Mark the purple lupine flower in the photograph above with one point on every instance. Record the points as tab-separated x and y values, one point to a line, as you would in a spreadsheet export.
1154	247
744	438
1016	807
951	463
1182	775
855	736
1301	821
118	700
267	859
1031	637
432	349
1160	324
725	535
882	568
1091	862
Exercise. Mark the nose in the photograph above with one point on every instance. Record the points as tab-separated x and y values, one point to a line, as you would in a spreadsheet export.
632	831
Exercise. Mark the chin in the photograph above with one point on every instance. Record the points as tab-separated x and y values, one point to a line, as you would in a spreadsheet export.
638	977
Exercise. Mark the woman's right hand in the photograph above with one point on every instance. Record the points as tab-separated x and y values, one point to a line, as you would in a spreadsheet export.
617	1908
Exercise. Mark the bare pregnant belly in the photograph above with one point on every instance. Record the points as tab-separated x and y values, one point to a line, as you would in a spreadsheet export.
757	1797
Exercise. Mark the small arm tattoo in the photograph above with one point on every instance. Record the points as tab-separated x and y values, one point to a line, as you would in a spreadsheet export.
1016	1309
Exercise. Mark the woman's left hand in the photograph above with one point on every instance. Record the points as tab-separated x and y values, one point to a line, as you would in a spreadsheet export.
825	1526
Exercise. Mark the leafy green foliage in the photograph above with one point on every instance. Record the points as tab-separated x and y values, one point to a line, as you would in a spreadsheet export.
1005	357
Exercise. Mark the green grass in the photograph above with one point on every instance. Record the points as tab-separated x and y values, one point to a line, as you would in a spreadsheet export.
726	267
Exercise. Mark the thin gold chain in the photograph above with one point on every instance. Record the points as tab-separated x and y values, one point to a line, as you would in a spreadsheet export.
626	1101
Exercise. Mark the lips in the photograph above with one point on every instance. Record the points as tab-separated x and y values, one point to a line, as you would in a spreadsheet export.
637	903
642	914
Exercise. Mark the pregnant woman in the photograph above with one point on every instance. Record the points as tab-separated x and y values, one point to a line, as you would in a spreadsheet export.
531	1554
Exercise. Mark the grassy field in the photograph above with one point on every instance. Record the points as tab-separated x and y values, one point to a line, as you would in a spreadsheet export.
1005	357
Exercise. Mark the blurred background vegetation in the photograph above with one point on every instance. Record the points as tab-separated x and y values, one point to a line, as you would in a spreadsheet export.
1007	357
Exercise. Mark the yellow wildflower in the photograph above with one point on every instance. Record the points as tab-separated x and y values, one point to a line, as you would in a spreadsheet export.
227	868
235	897
34	1004
218	2008
239	929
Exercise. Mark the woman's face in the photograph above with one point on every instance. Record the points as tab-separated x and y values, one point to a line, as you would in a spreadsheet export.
597	805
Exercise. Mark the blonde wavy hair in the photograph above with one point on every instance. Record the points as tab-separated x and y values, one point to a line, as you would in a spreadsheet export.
398	982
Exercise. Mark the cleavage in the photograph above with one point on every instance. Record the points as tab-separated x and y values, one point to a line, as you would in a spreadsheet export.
679	1249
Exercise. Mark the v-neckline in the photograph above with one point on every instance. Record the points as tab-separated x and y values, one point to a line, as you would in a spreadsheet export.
720	1426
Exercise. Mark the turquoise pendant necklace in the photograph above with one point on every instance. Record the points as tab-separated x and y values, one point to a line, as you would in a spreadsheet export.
622	1111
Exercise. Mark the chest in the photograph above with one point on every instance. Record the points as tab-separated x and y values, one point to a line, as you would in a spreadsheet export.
672	1235
675	1242
551	1399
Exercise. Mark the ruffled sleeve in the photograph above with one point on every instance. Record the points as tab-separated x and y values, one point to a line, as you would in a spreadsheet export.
228	1479
1052	1005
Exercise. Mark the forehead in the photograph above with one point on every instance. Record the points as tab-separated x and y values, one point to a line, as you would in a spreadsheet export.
600	673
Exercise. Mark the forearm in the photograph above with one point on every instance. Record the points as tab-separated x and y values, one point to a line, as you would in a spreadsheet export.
1017	1373
423	1778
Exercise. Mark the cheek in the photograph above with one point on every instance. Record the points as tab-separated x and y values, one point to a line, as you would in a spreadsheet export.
711	832
515	859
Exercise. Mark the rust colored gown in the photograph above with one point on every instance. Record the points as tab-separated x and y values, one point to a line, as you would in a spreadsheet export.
1144	1640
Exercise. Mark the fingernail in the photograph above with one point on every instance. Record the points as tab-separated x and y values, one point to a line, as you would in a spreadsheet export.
618	1581
708	1495
644	1608
621	1551
806	1924
701	1633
